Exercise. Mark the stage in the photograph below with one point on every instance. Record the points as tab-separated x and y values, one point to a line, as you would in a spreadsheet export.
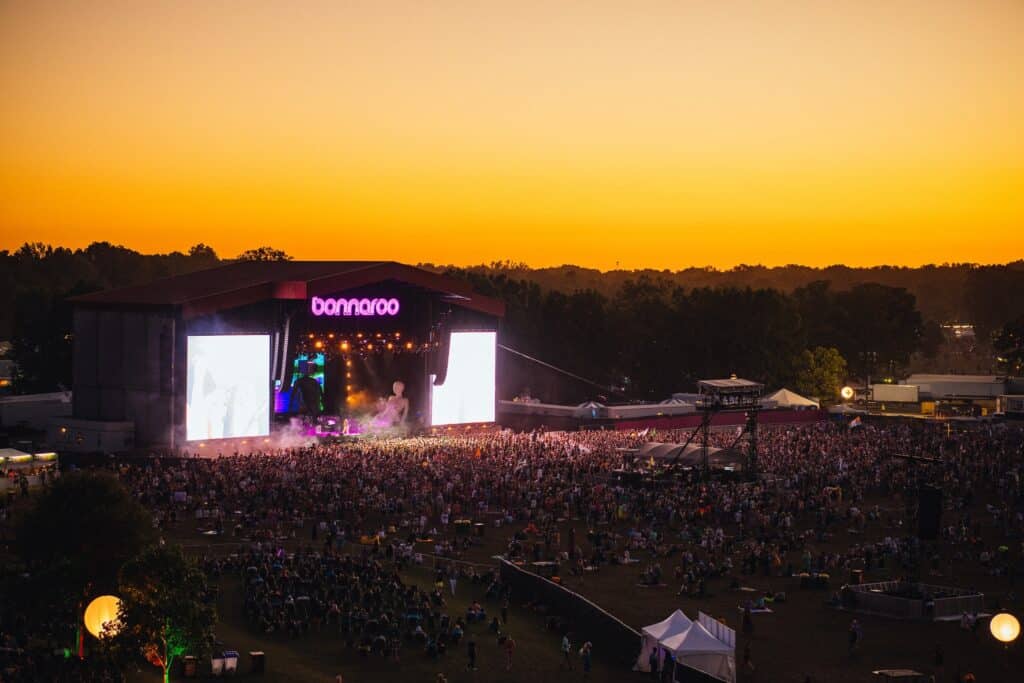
254	350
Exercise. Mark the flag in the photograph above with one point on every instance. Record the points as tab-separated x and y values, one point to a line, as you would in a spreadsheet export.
855	422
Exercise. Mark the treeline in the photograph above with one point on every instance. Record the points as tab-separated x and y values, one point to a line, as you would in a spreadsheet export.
653	337
988	296
641	334
37	279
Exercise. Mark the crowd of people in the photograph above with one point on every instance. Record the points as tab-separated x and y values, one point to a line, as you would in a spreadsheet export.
815	480
325	530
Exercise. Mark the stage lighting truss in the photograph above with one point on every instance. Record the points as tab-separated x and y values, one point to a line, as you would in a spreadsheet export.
361	344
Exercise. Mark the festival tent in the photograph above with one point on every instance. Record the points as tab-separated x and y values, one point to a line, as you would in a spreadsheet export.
650	636
697	648
784	398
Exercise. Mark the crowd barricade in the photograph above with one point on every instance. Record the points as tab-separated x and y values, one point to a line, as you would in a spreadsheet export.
943	602
616	642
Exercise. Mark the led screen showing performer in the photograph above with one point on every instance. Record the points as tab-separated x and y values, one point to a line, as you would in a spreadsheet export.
392	411
228	387
309	401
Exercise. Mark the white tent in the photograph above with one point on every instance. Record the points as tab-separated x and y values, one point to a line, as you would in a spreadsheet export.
784	398
650	636
698	649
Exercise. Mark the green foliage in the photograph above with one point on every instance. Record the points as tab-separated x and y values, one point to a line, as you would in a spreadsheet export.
79	533
994	296
820	373
37	279
263	254
1009	346
165	612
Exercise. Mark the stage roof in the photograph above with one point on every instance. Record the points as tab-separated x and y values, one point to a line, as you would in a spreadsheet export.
246	282
732	383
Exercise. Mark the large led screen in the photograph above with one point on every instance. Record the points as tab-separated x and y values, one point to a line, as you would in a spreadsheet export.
228	388
468	392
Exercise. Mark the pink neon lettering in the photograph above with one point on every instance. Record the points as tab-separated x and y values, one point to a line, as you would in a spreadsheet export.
353	307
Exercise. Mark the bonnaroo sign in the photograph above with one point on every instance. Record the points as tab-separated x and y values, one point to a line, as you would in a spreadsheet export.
353	307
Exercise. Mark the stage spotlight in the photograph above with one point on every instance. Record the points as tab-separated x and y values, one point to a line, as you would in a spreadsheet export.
344	346
311	336
390	346
398	335
319	344
348	364
369	347
846	393
359	335
408	345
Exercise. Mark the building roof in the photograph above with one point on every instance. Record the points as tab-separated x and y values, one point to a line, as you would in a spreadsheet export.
974	379
245	282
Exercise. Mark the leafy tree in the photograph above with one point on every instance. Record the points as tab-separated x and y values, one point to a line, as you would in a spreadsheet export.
994	296
820	373
875	326
77	535
165	609
1009	346
263	254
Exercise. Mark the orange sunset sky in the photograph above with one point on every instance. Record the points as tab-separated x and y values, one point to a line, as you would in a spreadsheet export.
640	133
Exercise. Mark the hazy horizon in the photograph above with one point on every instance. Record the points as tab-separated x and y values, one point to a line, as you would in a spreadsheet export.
507	263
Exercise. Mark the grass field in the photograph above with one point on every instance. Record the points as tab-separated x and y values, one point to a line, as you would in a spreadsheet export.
801	638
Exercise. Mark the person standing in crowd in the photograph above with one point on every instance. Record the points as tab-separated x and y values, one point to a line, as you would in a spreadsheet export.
566	651
471	655
853	636
510	647
585	655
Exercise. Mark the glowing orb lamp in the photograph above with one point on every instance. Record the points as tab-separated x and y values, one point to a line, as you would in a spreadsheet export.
846	393
1005	628
101	611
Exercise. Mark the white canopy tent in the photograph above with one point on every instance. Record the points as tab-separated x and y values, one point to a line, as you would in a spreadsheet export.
784	398
697	648
650	636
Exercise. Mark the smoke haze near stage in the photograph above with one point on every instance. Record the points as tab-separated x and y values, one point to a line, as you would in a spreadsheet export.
468	392
228	388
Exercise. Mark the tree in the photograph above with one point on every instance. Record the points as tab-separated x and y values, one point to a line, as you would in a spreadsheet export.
820	372
166	611
877	326
80	532
202	251
1009	346
263	254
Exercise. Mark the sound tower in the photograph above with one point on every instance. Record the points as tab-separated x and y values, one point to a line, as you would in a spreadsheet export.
929	512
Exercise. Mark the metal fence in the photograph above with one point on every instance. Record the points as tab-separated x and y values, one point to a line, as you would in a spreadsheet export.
932	602
616	642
